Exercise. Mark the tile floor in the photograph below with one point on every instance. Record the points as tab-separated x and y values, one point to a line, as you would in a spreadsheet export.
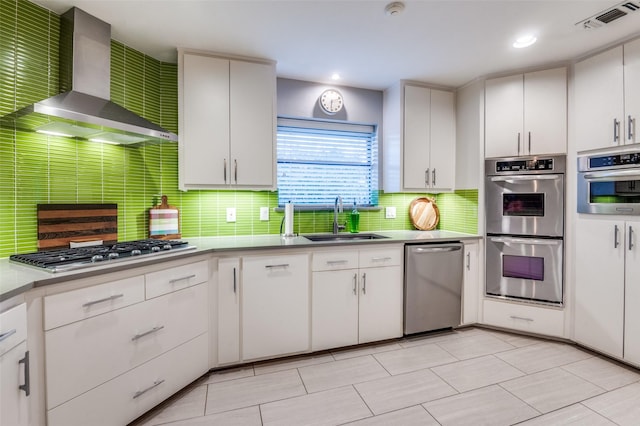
471	376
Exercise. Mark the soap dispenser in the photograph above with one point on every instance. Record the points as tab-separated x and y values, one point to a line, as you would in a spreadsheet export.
354	222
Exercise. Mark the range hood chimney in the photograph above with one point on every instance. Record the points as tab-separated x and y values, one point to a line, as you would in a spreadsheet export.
84	109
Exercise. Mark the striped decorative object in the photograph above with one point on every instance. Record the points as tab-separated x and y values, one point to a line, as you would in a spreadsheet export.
164	221
60	224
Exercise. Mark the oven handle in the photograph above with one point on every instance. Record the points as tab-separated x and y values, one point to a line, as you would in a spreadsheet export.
539	242
525	178
613	175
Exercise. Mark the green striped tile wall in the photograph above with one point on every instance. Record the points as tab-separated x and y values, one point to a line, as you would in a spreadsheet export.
39	169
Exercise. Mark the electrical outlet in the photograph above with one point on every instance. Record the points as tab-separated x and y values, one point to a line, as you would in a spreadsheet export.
390	212
231	214
264	213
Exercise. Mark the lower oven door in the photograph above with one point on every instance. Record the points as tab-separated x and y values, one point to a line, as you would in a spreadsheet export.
525	268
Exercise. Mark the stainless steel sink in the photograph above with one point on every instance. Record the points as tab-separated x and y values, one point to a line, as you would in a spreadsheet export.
343	237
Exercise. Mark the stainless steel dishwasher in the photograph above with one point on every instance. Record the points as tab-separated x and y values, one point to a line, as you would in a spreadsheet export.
432	286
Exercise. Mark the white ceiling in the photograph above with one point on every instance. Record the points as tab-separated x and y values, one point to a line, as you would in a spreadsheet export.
443	42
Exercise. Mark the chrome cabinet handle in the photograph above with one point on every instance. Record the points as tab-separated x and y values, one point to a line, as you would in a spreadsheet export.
616	130
426	177
188	277
106	299
616	231
5	336
380	259
234	280
364	283
146	333
225	170
235	171
631	124
355	284
468	261
521	318
433	177
336	262
529	142
281	265
26	387
631	245
518	143
142	392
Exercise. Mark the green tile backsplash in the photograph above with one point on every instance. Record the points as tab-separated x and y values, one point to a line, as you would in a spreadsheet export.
37	169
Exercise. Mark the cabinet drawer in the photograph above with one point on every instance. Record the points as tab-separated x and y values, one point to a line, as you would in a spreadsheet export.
166	281
126	397
533	319
13	327
334	260
76	305
85	354
380	257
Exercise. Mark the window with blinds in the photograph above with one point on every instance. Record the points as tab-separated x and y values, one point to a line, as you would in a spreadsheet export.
320	160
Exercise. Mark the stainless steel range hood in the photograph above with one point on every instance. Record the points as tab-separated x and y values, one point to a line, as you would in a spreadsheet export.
84	109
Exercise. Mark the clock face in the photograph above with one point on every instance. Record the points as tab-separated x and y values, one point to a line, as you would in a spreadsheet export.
331	101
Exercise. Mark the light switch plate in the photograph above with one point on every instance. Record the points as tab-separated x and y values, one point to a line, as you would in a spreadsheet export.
264	213
390	212
231	214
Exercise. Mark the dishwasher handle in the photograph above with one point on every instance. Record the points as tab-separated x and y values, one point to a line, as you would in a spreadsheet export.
436	249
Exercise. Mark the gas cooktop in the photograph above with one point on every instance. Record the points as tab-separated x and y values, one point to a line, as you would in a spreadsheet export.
59	260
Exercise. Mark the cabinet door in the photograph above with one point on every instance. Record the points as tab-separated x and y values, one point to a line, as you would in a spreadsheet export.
252	106
14	408
599	292
275	305
417	131
632	293
599	100
381	291
228	310
334	309
204	134
545	112
442	140
631	90
471	286
504	116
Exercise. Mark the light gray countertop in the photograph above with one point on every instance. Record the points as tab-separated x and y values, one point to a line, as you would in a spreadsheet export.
16	279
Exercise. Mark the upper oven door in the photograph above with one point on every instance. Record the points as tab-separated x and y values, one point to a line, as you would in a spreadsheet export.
525	205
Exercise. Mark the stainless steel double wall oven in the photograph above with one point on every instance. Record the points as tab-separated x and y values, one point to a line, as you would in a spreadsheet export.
525	228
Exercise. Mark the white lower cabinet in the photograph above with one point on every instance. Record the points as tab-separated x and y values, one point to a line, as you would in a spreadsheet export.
275	305
228	310
471	284
530	318
14	406
356	296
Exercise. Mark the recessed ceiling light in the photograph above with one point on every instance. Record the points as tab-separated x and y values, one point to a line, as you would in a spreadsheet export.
524	41
335	76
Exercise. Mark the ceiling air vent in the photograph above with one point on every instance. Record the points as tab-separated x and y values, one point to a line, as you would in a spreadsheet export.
609	15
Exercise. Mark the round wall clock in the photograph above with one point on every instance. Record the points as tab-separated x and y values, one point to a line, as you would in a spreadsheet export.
331	101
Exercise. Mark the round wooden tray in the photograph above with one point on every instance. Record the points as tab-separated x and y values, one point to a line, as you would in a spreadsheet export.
424	213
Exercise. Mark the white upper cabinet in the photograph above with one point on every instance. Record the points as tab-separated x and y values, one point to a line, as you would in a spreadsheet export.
526	114
419	139
227	122
607	101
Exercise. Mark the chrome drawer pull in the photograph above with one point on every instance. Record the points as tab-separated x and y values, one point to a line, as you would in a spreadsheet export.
155	384
355	283
188	277
5	336
235	281
281	265
106	299
27	382
146	333
631	245
468	261
336	262
364	283
616	231
380	259
521	318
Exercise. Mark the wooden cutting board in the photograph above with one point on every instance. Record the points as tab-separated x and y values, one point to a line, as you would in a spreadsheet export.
424	213
164	221
60	224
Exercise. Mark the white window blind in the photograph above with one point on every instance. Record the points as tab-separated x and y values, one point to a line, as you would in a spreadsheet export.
318	161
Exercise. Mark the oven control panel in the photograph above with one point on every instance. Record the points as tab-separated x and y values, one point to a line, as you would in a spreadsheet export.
626	159
545	164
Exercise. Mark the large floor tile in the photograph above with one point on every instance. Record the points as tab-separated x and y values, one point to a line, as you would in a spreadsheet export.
603	373
543	356
412	416
551	389
404	390
423	339
243	417
330	407
414	358
336	374
576	414
290	363
476	372
241	393
516	340
474	346
622	405
365	350
187	405
229	374
490	406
